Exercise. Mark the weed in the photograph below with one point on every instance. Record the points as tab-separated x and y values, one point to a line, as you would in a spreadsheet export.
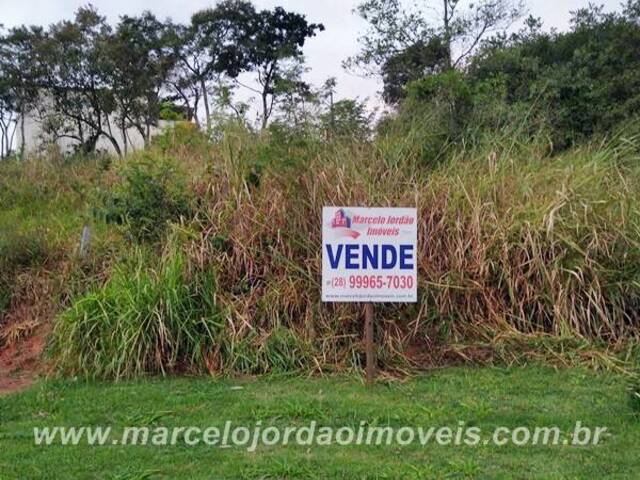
150	195
143	320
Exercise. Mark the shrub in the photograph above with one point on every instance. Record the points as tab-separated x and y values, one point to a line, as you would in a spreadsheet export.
511	242
181	135
143	320
19	251
150	194
171	112
284	147
515	246
587	78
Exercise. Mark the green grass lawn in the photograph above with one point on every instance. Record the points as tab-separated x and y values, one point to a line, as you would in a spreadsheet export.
483	397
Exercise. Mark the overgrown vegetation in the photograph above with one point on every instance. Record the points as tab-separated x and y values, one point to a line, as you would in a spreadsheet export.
141	321
84	80
586	79
150	195
522	256
206	253
43	207
583	81
18	252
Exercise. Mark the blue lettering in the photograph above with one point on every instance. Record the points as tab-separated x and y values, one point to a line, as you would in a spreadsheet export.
369	256
406	256
389	262
352	255
334	260
361	256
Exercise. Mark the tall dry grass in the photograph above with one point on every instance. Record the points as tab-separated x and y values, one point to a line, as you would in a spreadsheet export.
512	244
520	255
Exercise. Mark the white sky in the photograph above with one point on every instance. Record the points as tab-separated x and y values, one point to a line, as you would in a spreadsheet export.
324	53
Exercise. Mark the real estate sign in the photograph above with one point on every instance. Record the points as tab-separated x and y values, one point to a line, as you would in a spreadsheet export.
369	254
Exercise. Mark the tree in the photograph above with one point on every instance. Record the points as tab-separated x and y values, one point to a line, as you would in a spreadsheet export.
8	122
136	61
346	119
399	38
275	37
297	97
78	99
632	11
210	48
224	102
586	81
8	118
328	94
413	63
18	78
84	80
391	30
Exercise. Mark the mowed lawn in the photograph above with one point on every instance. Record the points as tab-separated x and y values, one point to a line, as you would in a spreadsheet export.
482	397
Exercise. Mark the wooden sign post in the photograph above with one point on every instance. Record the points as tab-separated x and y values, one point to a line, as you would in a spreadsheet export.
369	343
369	256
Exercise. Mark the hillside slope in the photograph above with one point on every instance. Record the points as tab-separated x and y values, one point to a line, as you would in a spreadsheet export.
205	256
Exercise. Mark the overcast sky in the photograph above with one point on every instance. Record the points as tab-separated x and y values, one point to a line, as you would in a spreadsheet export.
324	53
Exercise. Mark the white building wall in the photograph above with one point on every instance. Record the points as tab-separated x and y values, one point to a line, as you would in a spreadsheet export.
33	137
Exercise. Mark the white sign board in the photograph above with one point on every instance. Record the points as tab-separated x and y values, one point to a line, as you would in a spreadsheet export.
369	254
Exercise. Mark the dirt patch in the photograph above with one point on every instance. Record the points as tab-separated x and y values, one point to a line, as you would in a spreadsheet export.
25	328
10	385
21	361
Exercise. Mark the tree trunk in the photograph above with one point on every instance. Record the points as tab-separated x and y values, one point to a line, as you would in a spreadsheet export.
89	145
116	146
114	141
81	134
13	134
447	34
2	136
195	113
332	115
205	99
265	109
124	138
23	139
